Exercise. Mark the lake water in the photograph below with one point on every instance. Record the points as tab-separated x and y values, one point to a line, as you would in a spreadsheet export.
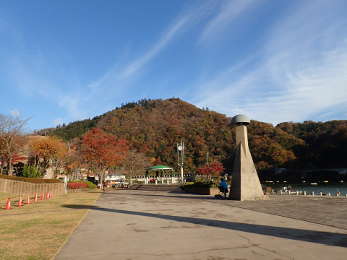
324	188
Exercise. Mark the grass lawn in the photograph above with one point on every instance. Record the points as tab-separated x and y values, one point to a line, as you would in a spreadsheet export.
3	197
38	230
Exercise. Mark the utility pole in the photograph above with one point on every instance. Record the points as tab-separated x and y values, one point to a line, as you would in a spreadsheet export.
180	157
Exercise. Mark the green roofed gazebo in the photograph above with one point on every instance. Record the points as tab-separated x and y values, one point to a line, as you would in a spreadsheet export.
159	168
161	173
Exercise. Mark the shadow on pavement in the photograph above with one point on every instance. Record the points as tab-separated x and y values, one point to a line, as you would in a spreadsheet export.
205	197
320	237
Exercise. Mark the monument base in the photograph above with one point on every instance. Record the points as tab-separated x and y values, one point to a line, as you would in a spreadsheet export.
245	181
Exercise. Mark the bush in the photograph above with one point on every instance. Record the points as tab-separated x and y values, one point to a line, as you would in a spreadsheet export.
198	187
31	171
90	185
77	185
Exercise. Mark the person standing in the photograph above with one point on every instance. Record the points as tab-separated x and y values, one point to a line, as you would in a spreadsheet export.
223	187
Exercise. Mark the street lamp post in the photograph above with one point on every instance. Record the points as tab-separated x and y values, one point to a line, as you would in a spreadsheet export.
180	157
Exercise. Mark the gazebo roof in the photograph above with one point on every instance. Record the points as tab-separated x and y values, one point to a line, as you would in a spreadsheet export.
159	168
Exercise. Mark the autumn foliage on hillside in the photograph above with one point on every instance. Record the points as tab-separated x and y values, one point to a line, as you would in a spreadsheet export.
153	127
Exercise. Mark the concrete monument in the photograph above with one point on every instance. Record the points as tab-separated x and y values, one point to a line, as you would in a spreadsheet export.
245	183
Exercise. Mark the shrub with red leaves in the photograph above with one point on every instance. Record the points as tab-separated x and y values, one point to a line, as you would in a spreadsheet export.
77	185
214	169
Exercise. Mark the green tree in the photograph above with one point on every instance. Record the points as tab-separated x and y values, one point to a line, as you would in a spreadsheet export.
31	171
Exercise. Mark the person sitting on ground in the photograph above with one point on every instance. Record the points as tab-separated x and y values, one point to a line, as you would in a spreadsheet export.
223	187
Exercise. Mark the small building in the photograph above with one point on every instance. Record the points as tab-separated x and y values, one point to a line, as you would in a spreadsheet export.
114	178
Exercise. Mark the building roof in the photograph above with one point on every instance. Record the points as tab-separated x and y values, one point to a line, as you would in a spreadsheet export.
159	168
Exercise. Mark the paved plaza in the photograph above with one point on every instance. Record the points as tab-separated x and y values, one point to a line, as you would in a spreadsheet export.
134	224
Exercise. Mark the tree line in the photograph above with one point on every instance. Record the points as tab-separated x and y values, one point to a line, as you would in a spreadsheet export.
155	126
152	128
96	152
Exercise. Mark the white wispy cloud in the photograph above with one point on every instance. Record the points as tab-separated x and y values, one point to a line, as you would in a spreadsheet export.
302	73
30	75
299	73
122	77
119	79
168	36
186	19
228	12
72	104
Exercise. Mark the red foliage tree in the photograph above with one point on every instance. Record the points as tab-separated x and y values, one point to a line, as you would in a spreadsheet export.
212	169
101	151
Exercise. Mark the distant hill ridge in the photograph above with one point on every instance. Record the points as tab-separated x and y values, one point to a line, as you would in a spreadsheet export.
155	126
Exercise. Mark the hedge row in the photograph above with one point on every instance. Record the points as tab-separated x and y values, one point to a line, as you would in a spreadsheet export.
32	180
77	185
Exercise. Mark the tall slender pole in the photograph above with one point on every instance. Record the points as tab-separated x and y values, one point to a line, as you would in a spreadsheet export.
182	180
180	157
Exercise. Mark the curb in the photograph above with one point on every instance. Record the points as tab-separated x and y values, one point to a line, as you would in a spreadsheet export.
72	231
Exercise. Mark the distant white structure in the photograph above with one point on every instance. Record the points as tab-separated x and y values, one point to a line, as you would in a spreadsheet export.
153	179
115	177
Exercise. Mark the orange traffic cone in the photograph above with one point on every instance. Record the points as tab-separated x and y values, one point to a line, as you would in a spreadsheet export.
28	200
46	196
20	203
35	200
49	195
41	196
8	204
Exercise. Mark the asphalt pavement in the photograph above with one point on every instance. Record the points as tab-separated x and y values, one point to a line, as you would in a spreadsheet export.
134	224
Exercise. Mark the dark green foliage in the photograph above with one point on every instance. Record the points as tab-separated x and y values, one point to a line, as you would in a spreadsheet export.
31	171
198	184
73	130
90	185
198	187
325	143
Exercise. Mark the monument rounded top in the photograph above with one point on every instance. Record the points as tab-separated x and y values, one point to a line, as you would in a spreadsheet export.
241	120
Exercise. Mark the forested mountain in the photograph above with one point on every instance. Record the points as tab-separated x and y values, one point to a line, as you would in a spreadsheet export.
325	143
155	126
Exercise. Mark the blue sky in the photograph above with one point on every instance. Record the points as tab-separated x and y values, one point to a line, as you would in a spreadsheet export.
273	60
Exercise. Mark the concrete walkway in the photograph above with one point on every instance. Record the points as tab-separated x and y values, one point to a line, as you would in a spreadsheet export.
135	225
